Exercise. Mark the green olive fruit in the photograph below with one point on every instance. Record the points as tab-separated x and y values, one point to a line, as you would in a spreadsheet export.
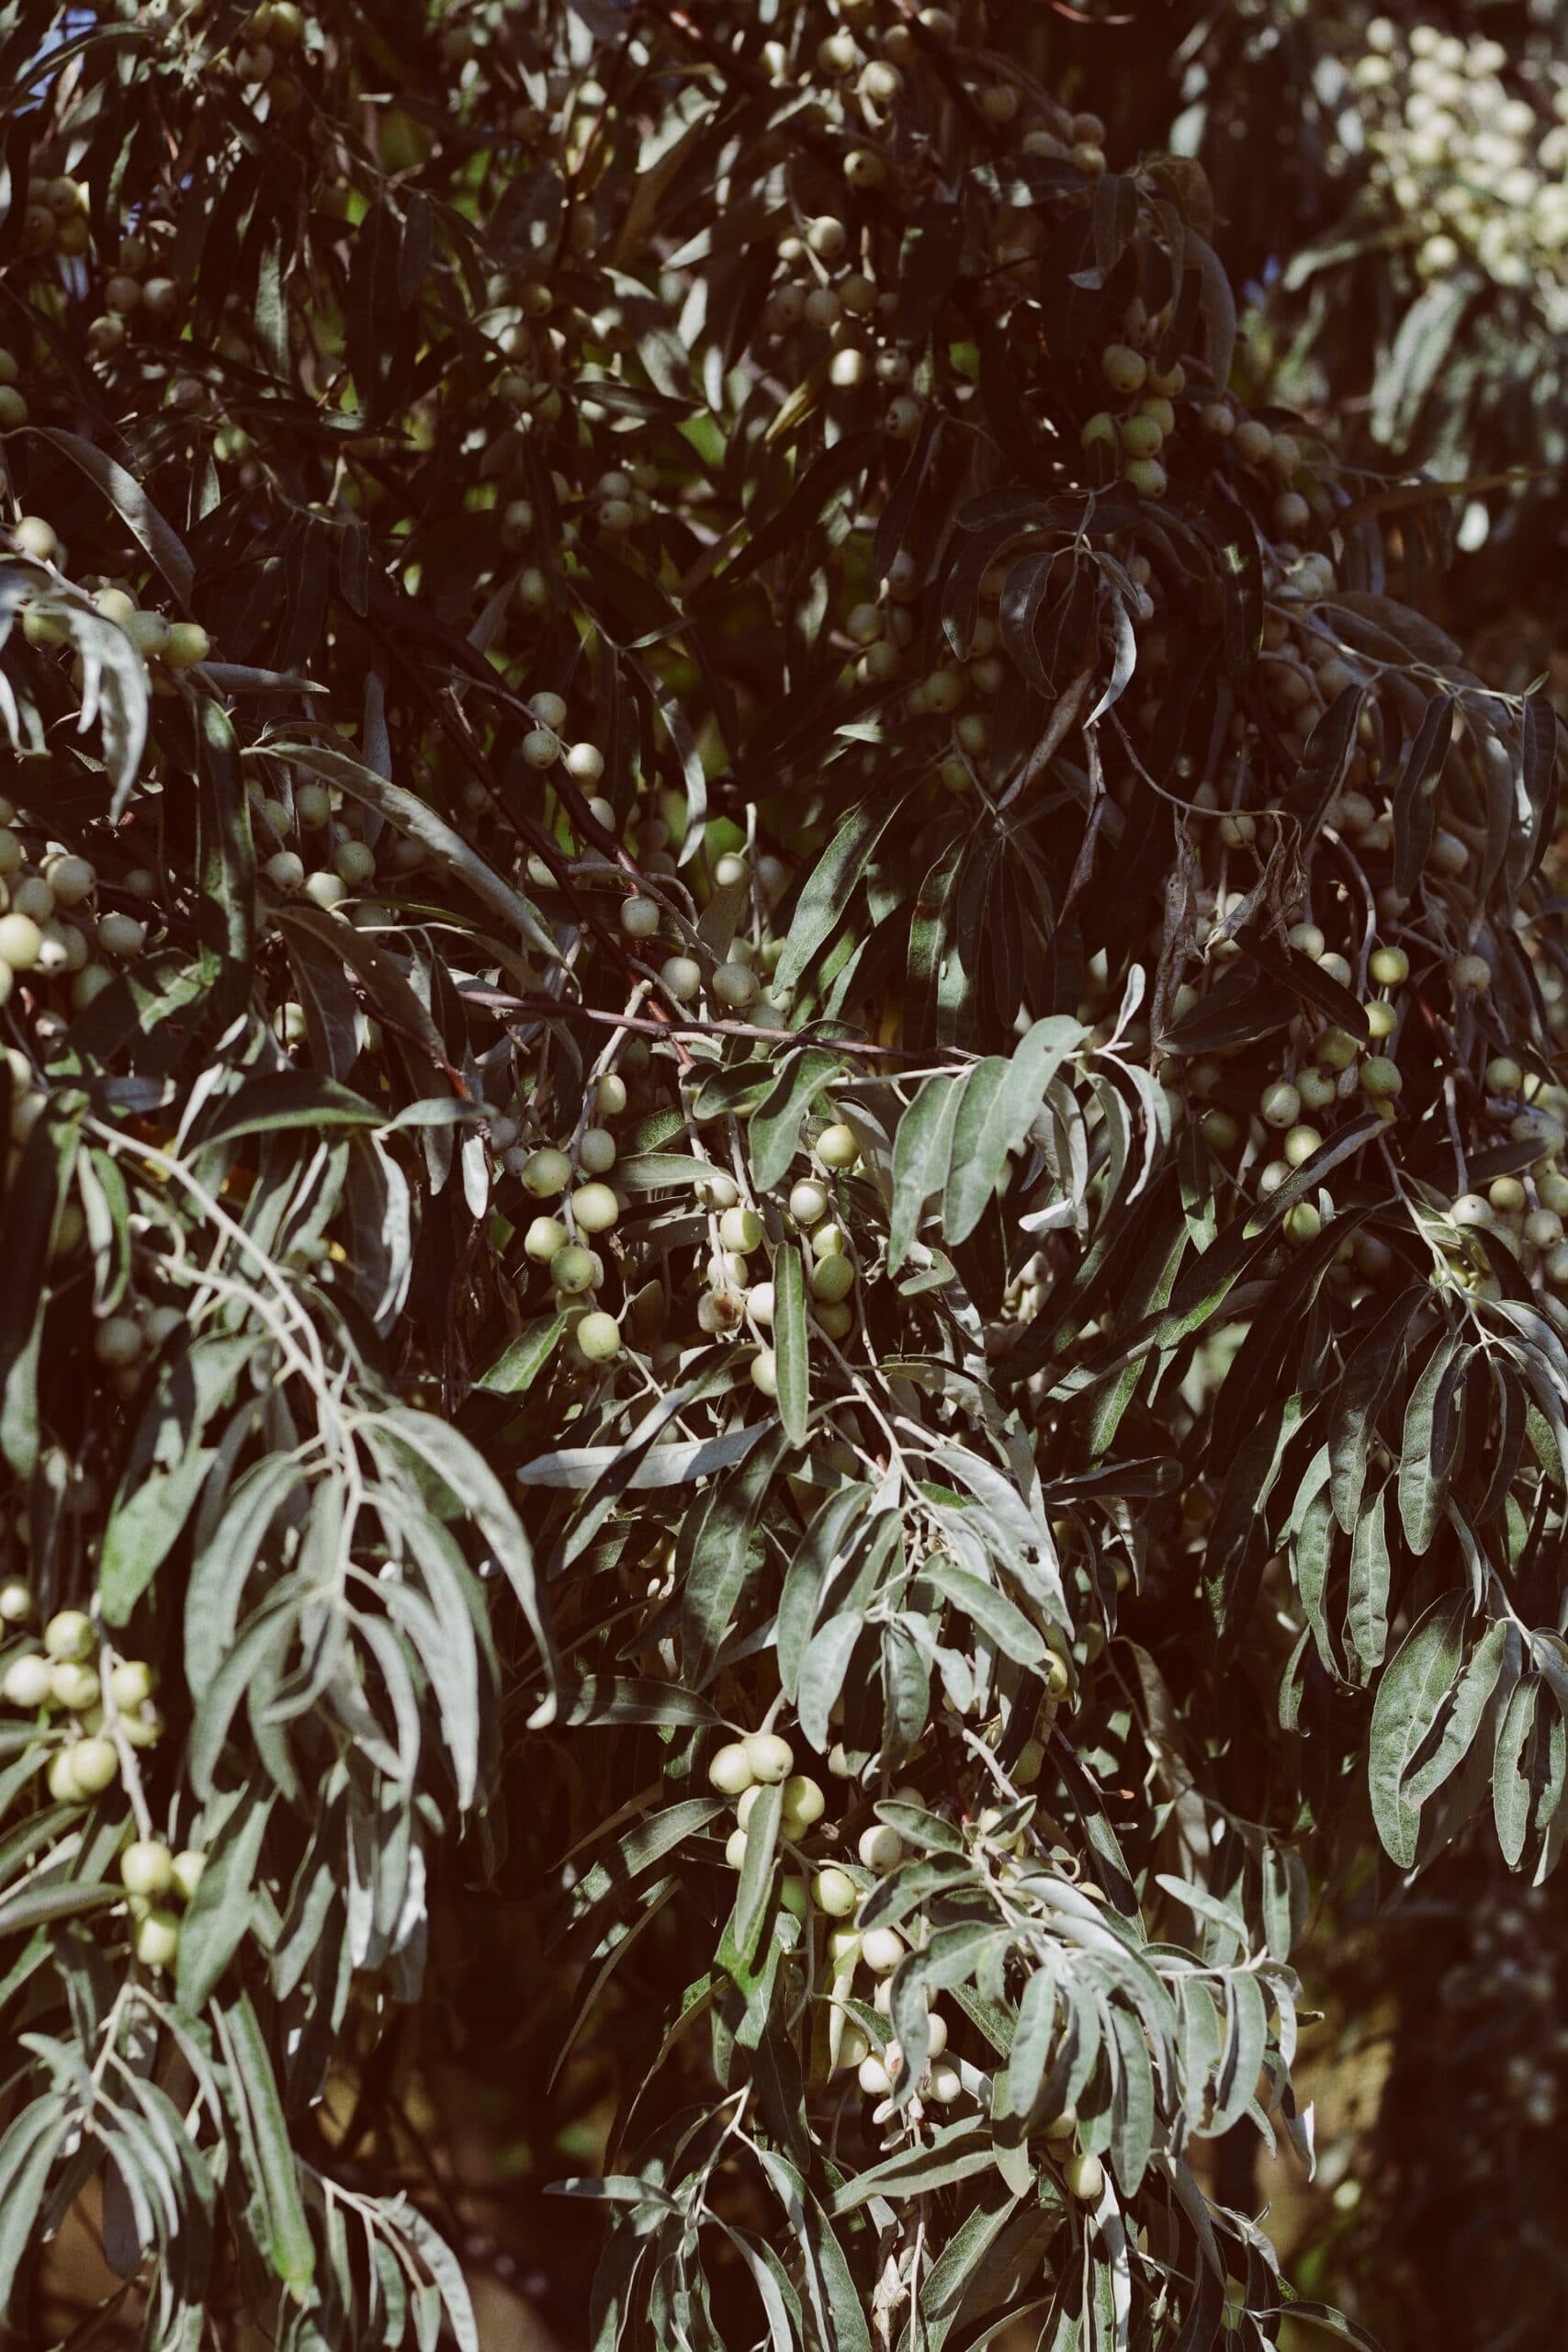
157	1943
69	1634
28	1683
1472	974
1390	966
769	1756
598	1337
545	1237
740	1228
572	1269
75	1685
874	2077
881	1948
837	1146
1084	2176
682	977
1124	370
729	1769
1504	1075
832	1279
880	1848
15	1602
1141	436
131	1682
1056	1675
1381	1018
595	1208
545	1174
1336	1049
763	1373
1302	1224
187	1872
147	1867
1280	1104
803	1803
834	1892
1380	1078
1299	1144
94	1765
63	1785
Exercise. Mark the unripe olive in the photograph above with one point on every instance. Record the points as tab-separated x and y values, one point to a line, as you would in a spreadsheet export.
769	1755
682	977
574	1269
63	1786
832	1279
545	1174
880	1848
881	1948
157	1943
807	1202
1380	1078
763	1372
27	1683
1336	1049
21	942
1100	432
729	1768
1302	1222
596	1152
872	2076
69	1634
94	1765
804	1802
595	1208
131	1682
1504	1075
1280	1104
740	1228
1300	1144
75	1685
1057	1674
1123	368
1390	966
1141	436
16	1601
1219	1131
1084	2176
834	1892
735	1848
837	1146
1472	972
598	1337
147	1868
1146	476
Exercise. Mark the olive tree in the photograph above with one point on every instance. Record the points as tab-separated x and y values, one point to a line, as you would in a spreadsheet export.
784	1176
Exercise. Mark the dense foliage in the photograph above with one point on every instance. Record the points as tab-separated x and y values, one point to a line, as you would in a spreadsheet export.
786	1271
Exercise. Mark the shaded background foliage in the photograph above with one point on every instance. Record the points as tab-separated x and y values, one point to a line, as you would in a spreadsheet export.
646	461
